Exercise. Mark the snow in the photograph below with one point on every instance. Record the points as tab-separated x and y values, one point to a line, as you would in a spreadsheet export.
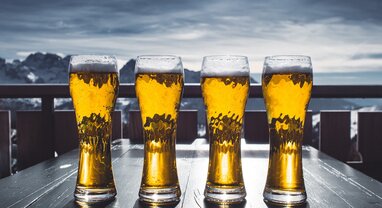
32	77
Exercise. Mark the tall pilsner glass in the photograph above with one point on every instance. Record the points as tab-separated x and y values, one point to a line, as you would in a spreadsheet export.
287	85
93	83
159	87
225	86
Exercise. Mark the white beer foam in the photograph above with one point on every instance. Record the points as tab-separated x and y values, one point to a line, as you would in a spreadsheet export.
93	63
287	64
223	66
159	64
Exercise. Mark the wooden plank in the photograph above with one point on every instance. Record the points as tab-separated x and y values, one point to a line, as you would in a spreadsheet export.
329	182
134	127
256	127
370	136
25	187
335	133
32	146
191	90
65	131
308	129
47	122
370	142
5	143
127	172
186	130
117	128
347	91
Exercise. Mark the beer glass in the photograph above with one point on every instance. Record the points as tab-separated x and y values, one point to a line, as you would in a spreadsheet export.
225	86
159	87
93	83
287	85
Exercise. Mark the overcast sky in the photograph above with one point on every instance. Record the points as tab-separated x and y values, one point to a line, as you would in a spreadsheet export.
338	35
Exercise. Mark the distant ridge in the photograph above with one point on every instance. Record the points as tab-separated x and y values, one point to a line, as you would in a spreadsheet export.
52	68
36	68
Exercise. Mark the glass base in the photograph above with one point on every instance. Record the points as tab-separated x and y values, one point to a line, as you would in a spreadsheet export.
224	195
280	197
164	196
92	195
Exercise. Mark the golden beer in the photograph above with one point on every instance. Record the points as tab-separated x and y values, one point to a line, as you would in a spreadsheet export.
159	94
159	97
94	94
225	96
286	96
225	99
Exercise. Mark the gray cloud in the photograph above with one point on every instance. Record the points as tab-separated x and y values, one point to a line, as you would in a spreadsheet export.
328	30
367	56
125	17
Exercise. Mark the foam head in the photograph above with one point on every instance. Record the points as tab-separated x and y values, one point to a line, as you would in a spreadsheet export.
287	64
159	64
222	66
93	63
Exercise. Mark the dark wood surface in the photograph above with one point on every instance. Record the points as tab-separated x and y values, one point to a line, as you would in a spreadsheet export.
5	143
256	127
32	146
47	124
329	182
370	136
370	143
65	137
134	129
335	133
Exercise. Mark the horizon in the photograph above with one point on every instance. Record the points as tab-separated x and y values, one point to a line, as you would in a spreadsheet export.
341	36
320	77
122	62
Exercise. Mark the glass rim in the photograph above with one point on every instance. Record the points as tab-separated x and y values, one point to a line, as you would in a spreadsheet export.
93	57
288	58
158	57
159	64
225	57
287	64
93	63
225	65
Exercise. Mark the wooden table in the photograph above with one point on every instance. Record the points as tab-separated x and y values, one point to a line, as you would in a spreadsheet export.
329	183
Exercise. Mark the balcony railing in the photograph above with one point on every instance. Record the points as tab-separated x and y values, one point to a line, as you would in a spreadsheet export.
334	131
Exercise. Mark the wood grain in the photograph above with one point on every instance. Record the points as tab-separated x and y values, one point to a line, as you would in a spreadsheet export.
370	142
256	127
335	133
329	182
32	146
5	143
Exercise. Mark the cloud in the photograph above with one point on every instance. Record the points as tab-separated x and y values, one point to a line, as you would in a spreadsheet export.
367	56
337	35
24	54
